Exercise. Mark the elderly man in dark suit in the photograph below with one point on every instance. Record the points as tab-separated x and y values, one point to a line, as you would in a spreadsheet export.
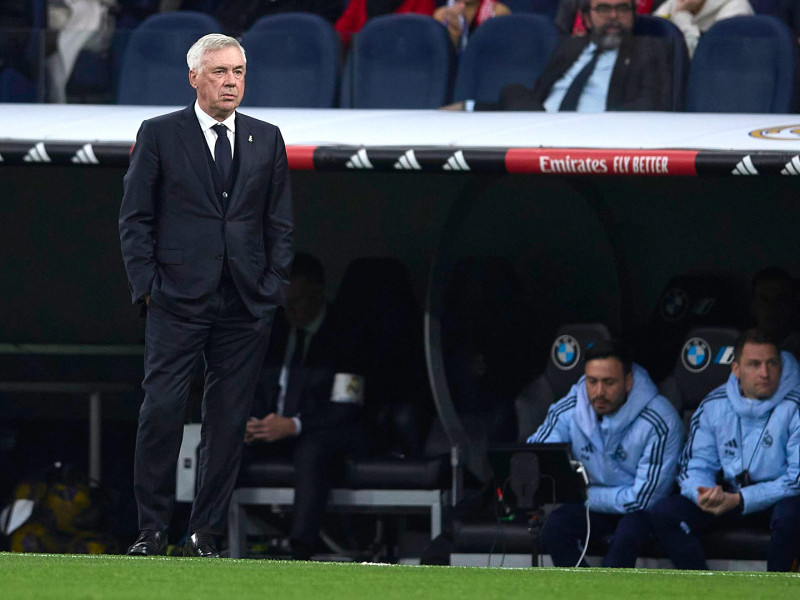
609	69
206	233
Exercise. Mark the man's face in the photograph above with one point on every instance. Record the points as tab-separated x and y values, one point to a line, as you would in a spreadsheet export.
609	21
219	82
304	300
607	385
758	370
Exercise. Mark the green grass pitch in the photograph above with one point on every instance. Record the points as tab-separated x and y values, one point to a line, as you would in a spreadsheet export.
64	577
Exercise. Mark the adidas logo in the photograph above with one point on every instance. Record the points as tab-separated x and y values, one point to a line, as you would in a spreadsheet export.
731	444
792	167
359	160
745	167
37	154
408	162
457	162
85	156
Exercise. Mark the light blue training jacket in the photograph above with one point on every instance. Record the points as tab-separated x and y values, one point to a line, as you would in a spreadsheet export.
734	433
631	457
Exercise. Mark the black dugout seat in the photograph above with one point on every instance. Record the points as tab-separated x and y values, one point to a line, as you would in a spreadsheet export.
564	368
686	302
703	363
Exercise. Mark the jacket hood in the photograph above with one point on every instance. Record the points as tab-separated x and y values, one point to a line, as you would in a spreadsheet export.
754	409
642	392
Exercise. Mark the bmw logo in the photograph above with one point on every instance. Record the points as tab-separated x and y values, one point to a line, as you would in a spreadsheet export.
696	355
566	352
674	304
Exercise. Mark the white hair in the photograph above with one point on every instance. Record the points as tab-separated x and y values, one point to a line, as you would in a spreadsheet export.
209	43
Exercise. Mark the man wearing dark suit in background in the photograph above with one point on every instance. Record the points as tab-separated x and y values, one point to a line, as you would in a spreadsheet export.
308	402
610	69
206	233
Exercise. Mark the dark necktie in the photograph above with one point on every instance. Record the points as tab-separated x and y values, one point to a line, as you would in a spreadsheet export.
222	152
573	95
290	395
299	346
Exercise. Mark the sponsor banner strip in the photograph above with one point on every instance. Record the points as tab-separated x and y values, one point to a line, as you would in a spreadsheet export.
301	158
748	164
548	161
582	161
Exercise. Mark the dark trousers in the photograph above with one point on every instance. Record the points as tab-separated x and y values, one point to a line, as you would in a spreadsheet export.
564	533
233	344
318	458
679	523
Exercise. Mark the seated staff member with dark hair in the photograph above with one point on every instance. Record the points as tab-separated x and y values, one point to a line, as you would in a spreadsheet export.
628	438
307	405
746	432
611	69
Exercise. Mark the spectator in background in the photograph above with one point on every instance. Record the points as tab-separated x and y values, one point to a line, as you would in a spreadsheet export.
358	12
773	305
569	21
299	410
609	69
741	463
462	17
695	17
81	24
628	438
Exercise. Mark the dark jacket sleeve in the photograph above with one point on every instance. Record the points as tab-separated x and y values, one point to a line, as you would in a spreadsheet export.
279	226
137	216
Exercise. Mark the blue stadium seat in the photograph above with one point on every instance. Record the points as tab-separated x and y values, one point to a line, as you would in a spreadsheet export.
503	50
768	7
295	61
400	61
744	65
15	87
154	70
546	8
657	27
563	369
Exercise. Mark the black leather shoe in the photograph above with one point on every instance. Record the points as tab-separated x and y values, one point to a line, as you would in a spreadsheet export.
149	543
202	545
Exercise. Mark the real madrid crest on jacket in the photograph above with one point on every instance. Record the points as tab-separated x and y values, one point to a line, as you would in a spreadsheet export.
754	443
631	456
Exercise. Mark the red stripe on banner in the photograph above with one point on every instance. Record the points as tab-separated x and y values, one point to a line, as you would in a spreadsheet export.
301	158
582	161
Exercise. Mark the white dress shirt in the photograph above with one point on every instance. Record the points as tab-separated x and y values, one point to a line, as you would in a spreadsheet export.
207	122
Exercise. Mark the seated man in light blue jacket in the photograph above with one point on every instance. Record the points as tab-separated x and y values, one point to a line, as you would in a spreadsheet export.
628	438
741	463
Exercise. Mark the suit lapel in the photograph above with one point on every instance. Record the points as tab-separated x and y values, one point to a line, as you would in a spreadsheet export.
619	75
570	51
244	152
191	137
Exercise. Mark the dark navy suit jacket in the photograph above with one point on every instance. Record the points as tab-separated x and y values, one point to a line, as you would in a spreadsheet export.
176	231
330	351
